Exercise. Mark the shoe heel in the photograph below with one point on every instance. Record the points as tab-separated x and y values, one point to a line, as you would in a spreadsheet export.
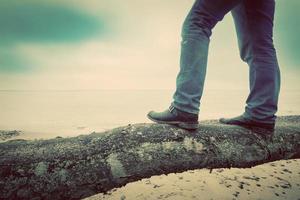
188	126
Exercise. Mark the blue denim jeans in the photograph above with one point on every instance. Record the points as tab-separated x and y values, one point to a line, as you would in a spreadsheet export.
254	26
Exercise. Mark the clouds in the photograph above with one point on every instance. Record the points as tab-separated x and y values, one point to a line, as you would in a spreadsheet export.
46	22
287	31
115	44
41	22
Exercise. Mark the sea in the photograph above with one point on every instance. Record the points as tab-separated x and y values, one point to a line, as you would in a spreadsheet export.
67	113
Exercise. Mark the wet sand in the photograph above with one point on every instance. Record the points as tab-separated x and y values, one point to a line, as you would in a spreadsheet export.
270	181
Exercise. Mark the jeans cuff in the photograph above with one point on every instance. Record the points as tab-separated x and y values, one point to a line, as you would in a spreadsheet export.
248	115
184	109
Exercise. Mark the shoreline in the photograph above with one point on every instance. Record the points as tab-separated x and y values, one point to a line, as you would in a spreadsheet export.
19	134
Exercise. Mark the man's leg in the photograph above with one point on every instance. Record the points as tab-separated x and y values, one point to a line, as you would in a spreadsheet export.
254	26
196	32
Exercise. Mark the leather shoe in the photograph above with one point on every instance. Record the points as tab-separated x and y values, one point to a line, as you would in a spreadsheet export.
259	127
175	116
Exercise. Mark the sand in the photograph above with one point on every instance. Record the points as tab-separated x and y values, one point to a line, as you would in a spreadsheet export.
270	181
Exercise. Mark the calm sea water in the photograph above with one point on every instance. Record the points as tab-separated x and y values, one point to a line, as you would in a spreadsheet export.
45	114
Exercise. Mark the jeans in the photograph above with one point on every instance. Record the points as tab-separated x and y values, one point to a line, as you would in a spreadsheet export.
254	26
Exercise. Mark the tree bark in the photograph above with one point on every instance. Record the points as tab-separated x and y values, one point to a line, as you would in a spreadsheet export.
74	168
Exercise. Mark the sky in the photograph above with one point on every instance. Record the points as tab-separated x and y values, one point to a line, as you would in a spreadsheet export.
132	44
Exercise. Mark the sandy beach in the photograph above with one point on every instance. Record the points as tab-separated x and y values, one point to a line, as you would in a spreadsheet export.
270	181
37	118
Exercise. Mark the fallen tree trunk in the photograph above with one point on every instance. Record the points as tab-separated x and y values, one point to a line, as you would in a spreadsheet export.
73	168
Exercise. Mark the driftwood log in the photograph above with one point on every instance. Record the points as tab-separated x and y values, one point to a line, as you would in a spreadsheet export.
74	168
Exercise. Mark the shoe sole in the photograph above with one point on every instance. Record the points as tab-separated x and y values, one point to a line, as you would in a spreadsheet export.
256	129
184	125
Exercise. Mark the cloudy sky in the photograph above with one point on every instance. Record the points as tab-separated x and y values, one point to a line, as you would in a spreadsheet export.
115	44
